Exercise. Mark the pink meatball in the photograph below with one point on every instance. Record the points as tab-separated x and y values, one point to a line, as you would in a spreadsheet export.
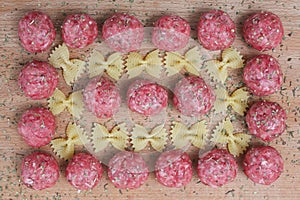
38	80
146	98
216	30
123	32
171	33
263	165
37	126
36	32
39	171
263	31
174	169
193	97
262	75
128	170
217	168
79	30
266	120
102	97
84	171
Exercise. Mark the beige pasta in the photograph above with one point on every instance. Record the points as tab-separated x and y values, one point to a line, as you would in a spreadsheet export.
101	137
137	63
58	102
174	62
182	136
64	147
236	143
113	65
157	138
238	100
231	58
72	68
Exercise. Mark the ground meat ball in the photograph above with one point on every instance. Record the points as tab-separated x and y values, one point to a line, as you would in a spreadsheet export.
171	33
38	80
102	97
266	120
174	169
39	171
193	97
217	168
37	126
263	165
36	32
263	31
128	170
79	30
123	32
216	30
146	98
84	171
262	75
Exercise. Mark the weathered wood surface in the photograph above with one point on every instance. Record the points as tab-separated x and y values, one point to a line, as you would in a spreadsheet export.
13	102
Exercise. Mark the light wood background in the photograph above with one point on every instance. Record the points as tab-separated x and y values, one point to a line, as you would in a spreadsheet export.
13	102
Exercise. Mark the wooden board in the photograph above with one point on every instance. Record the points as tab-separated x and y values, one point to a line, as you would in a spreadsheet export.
13	102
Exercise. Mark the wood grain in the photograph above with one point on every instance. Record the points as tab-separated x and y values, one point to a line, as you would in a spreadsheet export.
13	102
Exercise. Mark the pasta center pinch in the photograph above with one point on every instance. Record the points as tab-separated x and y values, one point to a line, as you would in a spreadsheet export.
236	143
64	147
72	68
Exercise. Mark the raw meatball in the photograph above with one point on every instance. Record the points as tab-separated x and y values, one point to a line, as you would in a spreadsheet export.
263	31
263	165
174	169
193	97
37	126
39	171
171	33
38	80
123	32
36	32
79	30
146	98
216	30
102	97
84	171
262	75
127	170
217	168
266	120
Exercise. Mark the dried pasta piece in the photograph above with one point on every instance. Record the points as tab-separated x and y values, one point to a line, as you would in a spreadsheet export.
182	136
218	69
151	63
64	147
113	65
101	137
157	138
236	143
72	68
174	62
238	100
58	102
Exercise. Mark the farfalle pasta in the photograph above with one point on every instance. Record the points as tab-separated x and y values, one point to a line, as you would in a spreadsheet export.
236	143
182	135
231	58
136	63
58	102
72	68
64	147
157	138
113	65
238	100
117	137
174	62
